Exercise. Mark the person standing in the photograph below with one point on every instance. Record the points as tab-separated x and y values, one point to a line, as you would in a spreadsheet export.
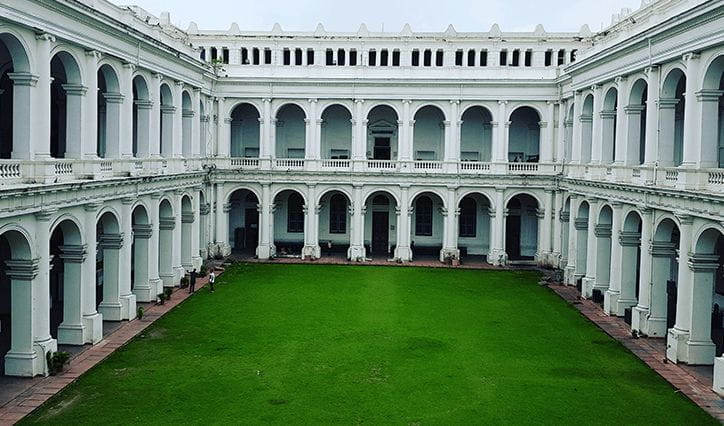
192	281
212	278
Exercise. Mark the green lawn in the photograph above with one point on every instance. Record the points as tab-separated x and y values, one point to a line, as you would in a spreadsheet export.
308	344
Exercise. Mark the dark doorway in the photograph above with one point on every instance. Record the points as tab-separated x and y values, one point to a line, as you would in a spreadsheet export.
56	282
670	303
382	149
251	234
5	305
380	232
512	237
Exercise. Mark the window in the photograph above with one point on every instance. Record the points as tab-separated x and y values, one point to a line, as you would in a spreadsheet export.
295	213
483	58
255	56
244	56
574	52
372	58
503	58
459	58
330	57
203	53
395	58
287	57
516	58
471	58
428	58
225	55
439	58
214	53
423	216
337	214
297	56
310	56
415	58
548	58
353	57
528	61
468	218
267	56
561	56
384	57
341	57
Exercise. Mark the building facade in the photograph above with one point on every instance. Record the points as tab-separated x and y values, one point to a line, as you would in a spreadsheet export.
131	150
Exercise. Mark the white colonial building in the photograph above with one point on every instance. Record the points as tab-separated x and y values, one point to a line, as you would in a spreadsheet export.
131	150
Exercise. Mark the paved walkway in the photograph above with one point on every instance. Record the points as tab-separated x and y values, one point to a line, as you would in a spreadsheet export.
694	382
22	396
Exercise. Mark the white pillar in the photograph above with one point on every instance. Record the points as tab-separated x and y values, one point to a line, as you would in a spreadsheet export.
88	140
71	331
406	126
142	234
126	114
692	117
622	135
545	229
357	248
154	279
266	223
450	222
589	280
222	222
224	131
613	292
677	336
570	273
577	142
176	264
111	307
700	350
40	128
92	320
177	144
404	213
640	313
196	137
24	108
22	358
498	256
196	260
311	225
597	127
127	298
652	116
42	341
547	133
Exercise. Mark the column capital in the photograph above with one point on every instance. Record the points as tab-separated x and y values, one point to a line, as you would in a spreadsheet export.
703	262
178	83
634	109
74	89
158	76
73	253
595	87
113	98
602	230
543	124
45	37
156	195
651	69
142	231
22	270
266	100
93	54
110	241
92	207
45	215
312	100
143	104
662	249
407	101
620	79
127	201
454	101
709	95
690	56
23	79
166	223
502	102
684	219
359	101
196	90
129	66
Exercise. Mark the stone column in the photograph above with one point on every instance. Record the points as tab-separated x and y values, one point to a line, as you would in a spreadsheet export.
630	242
22	358
581	235
266	144
406	133
127	298
222	221
266	223
359	136
654	323
576	147
629	153
75	146
223	147
652	116
23	108
677	336
357	248
111	307
608	127
603	257
40	128
613	292
313	133
92	320
196	259
154	280
452	136
500	141
142	234
640	313
700	350
42	341
547	134
154	141
589	280
71	330
88	141
692	117
708	154
311	248
126	114
166	227
545	229
621	135
196	140
450	220
404	214
498	256
597	126
557	233
178	268
560	155
177	144
570	272
143	120
166	138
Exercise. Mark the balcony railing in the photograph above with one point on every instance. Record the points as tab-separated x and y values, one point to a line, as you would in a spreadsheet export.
335	164
377	165
474	167
424	165
245	163
522	168
289	163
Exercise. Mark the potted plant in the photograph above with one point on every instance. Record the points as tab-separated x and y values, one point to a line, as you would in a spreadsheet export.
203	271
139	312
161	298
184	282
168	292
56	361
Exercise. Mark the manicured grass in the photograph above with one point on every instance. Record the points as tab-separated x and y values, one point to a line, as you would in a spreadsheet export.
308	344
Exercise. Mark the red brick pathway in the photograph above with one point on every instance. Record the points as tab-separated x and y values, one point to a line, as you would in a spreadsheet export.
40	389
652	352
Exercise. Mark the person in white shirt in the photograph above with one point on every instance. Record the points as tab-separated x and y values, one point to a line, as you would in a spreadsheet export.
212	278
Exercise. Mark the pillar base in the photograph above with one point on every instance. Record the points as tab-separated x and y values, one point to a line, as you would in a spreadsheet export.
178	272
498	257
610	302
700	352
587	288
21	364
403	254
196	262
71	334
167	280
203	253
220	250
265	252
639	321
156	285
676	345
656	327
41	349
128	303
93	328
624	304
449	253
356	253
569	275
311	252
111	311
718	376
145	292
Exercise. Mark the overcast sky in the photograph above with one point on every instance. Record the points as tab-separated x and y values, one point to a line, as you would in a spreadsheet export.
422	15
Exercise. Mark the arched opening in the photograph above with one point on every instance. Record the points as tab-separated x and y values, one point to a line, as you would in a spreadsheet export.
142	233
335	222
166	121
428	142
166	225
521	228
244	131
244	222
706	339
636	118
289	223
187	221
16	334
15	84
187	124
382	133
609	124
524	136
603	255
581	227
586	123
474	227
67	255
712	115
109	114
109	243
476	135
426	226
664	273
671	119
630	241
291	132
336	133
66	95
380	222
141	118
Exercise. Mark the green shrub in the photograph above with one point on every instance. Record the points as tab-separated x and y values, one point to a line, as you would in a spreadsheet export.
161	298
203	271
56	361
168	292
139	312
